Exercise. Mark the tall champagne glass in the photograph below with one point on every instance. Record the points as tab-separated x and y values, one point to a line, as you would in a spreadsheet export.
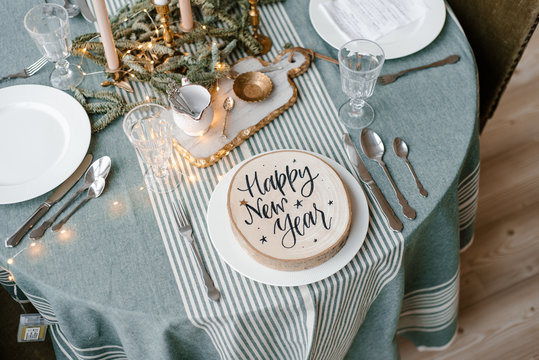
48	26
360	63
149	129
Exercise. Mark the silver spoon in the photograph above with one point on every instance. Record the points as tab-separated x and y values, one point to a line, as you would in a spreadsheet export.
401	149
373	148
72	10
99	169
94	191
228	105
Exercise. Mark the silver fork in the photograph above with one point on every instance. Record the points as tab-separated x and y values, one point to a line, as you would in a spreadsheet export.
390	78
186	231
29	71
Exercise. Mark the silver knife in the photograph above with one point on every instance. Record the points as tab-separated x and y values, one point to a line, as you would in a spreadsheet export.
56	195
85	10
366	178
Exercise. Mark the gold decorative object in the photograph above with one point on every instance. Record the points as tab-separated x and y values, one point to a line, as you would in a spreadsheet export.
252	86
254	14
119	79
168	34
246	133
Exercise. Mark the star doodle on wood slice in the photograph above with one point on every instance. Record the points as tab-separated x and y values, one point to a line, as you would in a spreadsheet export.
294	161
298	203
315	240
243	202
263	240
330	202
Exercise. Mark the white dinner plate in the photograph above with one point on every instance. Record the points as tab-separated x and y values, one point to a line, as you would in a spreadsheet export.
400	42
233	254
44	135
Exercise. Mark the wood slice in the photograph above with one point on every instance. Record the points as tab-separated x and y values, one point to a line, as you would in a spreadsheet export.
289	209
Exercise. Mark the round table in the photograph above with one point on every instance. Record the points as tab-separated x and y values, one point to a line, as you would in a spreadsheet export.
121	283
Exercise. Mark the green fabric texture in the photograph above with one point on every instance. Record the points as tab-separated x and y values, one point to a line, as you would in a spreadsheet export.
124	285
498	32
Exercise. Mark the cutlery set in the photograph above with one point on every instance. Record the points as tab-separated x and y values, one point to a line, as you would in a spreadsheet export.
373	148
94	182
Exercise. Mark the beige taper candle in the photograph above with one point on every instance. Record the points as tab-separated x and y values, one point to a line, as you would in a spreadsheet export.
106	35
186	14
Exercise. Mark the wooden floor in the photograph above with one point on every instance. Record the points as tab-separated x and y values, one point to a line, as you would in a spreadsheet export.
499	299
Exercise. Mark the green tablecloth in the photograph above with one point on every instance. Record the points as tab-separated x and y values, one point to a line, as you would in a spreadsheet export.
122	284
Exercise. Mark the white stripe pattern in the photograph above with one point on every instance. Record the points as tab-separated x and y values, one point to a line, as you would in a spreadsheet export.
430	309
106	352
258	321
467	194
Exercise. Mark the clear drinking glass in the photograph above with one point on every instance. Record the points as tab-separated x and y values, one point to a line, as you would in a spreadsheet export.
149	129
48	25
360	62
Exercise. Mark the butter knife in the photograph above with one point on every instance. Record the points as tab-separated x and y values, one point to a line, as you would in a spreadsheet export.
43	208
366	178
85	10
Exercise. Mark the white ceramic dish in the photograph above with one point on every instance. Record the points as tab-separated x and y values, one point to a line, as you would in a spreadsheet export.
233	254
44	135
400	42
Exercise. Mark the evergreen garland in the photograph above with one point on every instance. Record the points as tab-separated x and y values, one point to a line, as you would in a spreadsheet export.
226	20
222	26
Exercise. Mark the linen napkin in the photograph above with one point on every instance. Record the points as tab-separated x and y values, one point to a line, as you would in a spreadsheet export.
372	19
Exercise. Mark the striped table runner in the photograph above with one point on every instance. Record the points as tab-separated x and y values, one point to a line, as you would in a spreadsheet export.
253	320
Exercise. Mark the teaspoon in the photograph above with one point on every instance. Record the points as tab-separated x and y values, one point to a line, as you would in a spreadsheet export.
99	169
373	147
401	149
228	105
94	191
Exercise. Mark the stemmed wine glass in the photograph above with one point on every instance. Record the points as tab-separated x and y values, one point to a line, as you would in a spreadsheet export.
360	63
48	26
149	129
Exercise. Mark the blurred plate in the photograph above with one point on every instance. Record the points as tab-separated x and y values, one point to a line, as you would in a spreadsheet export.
44	135
400	42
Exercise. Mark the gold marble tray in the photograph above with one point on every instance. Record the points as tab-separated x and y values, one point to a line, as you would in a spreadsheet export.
246	118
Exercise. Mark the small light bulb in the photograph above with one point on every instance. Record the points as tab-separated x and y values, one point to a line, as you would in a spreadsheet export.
140	46
151	62
83	73
219	177
126	19
128	51
192	178
217	88
33	243
132	75
115	203
10	261
84	50
11	278
62	232
204	27
141	188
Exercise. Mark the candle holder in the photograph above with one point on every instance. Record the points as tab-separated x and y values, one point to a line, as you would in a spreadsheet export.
119	78
264	41
164	10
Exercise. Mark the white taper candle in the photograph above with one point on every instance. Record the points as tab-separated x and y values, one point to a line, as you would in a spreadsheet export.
186	14
103	23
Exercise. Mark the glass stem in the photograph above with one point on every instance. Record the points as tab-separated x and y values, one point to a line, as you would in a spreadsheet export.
160	171
357	104
62	66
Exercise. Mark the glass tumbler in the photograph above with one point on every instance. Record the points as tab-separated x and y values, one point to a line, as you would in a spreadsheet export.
149	129
360	63
48	26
